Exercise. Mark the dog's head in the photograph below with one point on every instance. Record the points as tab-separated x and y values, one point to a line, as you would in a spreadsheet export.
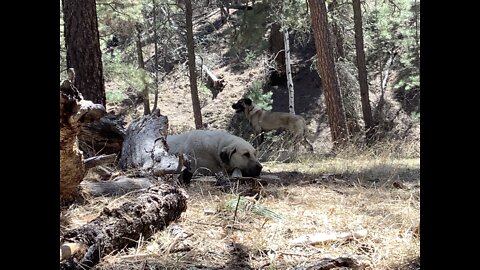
240	154
242	104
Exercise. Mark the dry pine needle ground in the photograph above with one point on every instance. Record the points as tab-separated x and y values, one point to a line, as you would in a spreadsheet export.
333	195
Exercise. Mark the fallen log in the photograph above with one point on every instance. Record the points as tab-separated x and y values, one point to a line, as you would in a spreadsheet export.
74	111
104	136
118	228
212	79
118	186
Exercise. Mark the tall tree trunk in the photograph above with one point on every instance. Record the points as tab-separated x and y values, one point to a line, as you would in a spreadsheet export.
362	72
337	32
291	91
197	113
155	37
326	65
141	66
276	47
83	48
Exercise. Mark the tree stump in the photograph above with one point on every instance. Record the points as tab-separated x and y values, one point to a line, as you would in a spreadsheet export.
122	227
145	147
74	111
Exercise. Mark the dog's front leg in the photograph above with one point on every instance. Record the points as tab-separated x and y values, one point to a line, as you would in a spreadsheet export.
258	137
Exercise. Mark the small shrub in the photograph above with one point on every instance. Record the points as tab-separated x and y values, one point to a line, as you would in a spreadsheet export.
115	96
259	97
249	60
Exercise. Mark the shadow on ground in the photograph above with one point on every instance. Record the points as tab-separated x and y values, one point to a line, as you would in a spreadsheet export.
373	177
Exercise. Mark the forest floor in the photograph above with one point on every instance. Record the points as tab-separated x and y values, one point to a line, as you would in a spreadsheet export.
376	191
376	194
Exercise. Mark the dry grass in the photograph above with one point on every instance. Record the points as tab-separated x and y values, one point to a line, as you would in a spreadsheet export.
337	194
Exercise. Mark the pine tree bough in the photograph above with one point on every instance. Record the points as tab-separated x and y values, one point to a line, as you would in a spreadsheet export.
118	228
74	111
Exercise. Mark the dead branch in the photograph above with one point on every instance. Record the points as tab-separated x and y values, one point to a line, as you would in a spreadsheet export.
328	263
99	160
318	238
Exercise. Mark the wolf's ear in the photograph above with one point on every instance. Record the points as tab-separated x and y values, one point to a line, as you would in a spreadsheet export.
247	101
226	153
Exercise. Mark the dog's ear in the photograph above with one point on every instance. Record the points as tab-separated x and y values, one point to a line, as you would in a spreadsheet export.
227	153
247	101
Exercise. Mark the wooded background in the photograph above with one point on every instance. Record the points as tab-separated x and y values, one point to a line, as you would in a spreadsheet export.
362	48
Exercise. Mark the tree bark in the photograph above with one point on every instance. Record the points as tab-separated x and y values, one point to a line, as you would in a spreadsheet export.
141	66
104	136
362	72
83	48
155	37
197	113
337	32
73	112
118	228
276	47
291	91
326	66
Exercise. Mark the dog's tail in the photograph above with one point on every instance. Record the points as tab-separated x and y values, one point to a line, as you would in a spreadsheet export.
118	186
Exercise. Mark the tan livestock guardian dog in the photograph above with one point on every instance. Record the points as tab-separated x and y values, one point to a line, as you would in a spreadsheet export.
262	120
213	151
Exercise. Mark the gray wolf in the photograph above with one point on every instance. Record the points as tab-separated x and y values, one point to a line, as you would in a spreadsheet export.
262	120
213	151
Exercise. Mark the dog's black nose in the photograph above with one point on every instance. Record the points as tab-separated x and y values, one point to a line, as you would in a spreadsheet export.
253	171
257	170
